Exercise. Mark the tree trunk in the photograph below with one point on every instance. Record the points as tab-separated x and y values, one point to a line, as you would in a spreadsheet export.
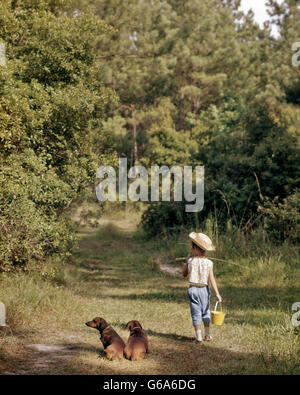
134	134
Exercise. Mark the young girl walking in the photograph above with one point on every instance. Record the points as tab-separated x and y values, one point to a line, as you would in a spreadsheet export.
199	271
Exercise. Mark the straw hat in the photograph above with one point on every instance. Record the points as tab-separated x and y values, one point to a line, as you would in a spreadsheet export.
202	241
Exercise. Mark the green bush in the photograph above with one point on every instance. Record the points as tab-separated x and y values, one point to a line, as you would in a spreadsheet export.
282	219
161	217
33	201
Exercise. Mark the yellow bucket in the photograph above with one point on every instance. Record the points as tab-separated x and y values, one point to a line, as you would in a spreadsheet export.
217	317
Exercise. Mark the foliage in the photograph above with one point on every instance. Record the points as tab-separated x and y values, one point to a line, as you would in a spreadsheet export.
283	219
239	148
201	83
52	102
162	216
159	82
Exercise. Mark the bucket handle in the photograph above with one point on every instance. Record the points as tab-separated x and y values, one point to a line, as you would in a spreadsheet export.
216	305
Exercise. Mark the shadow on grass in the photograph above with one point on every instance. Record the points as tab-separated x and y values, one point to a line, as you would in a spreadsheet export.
258	297
28	361
182	358
150	332
167	297
170	354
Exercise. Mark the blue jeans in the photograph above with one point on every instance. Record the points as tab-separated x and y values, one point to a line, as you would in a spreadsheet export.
199	304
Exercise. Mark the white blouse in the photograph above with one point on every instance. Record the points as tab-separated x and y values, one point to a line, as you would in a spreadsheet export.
198	270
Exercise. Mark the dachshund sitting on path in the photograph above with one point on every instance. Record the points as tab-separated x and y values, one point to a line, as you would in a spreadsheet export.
137	345
112	343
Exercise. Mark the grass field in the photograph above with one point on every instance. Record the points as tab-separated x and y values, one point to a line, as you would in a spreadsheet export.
114	274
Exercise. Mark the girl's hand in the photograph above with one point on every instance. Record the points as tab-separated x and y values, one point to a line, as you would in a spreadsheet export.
219	298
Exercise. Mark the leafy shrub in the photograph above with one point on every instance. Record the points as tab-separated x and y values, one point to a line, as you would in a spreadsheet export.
282	219
166	216
33	201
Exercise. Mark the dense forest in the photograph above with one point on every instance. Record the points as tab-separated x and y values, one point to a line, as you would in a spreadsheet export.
160	82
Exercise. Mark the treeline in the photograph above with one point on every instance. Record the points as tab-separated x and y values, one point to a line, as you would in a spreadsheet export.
166	82
200	83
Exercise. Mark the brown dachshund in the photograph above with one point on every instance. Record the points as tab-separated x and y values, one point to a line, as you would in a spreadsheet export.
137	345
112	343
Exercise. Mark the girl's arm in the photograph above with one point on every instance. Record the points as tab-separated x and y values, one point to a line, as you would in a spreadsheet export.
212	282
186	267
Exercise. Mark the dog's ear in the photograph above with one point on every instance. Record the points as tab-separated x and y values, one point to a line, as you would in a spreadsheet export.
129	325
102	323
97	321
